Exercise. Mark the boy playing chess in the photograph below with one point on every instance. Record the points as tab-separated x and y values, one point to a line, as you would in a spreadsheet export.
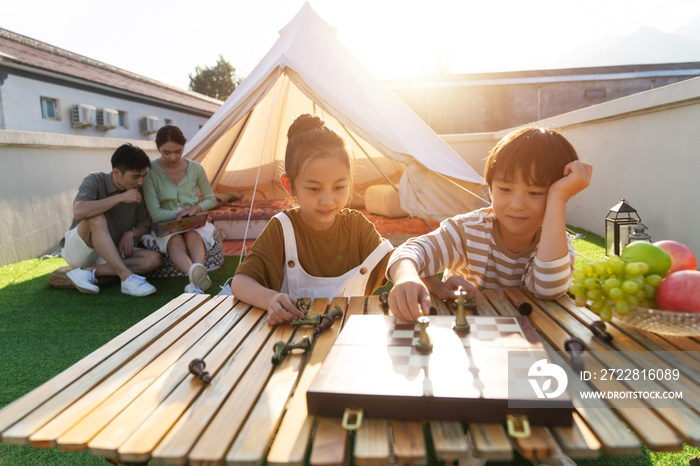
520	241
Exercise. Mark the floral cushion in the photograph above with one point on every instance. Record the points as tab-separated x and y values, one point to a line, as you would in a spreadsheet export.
212	261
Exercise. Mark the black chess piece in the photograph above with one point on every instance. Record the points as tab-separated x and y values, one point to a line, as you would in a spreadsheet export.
575	346
384	299
598	328
282	349
524	309
197	367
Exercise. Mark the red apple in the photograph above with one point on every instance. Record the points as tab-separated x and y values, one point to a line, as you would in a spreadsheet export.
682	258
680	291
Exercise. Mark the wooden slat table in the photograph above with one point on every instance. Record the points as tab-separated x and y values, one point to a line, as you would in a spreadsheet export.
134	400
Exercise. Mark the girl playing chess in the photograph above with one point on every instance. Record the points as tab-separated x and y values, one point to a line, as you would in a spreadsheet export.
319	248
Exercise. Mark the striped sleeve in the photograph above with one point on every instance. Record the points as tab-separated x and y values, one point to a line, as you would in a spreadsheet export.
435	251
550	280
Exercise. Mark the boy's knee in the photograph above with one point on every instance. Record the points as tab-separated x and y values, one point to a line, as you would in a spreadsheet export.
152	260
98	221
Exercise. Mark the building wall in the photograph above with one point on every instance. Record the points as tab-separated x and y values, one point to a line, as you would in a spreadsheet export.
644	148
475	109
20	107
39	180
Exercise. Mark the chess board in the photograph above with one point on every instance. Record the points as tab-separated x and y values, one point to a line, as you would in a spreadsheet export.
375	366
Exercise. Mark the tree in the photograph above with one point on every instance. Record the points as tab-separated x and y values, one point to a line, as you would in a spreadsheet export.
217	82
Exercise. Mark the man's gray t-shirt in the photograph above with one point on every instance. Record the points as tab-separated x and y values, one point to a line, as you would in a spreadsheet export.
120	218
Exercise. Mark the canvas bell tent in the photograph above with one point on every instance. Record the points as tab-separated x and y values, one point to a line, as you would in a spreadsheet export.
309	71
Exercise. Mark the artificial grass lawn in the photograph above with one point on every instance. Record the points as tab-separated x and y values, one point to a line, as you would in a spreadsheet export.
44	331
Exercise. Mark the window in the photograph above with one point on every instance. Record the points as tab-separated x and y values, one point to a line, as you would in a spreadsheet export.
168	122
595	93
123	118
49	109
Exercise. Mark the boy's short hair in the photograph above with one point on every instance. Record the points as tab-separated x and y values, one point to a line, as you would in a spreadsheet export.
539	155
130	158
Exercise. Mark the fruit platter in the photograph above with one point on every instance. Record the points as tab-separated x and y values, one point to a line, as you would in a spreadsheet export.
653	287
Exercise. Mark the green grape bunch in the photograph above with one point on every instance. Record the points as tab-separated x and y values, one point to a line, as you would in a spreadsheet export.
613	285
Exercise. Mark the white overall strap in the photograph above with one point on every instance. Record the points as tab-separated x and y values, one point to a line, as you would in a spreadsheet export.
358	283
290	280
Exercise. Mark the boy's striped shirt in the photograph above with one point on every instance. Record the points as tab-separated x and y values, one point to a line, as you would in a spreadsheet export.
469	245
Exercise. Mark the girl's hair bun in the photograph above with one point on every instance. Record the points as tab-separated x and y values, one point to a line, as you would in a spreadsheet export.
305	122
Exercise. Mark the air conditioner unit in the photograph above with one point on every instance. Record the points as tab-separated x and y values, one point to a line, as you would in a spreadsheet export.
83	115
107	118
149	124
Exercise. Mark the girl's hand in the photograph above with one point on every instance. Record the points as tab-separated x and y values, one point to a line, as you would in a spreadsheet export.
577	176
195	209
452	284
283	309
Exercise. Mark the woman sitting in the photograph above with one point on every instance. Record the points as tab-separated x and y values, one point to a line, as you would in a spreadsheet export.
170	189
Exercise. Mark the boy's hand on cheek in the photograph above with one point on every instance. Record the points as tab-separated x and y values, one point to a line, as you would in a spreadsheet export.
282	310
407	298
577	176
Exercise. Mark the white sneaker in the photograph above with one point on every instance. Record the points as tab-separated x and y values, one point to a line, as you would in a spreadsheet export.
193	289
84	281
136	285
226	289
198	276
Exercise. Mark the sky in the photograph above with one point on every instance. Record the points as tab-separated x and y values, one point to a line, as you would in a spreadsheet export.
393	38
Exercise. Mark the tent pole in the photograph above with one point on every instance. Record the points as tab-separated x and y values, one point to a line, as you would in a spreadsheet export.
463	188
257	177
378	168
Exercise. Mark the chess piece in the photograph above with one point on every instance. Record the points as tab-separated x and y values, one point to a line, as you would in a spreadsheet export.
575	346
282	349
524	309
384	299
461	324
432	311
196	368
424	344
598	329
303	306
327	320
312	321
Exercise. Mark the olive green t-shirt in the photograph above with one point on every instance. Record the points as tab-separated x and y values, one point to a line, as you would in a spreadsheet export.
328	253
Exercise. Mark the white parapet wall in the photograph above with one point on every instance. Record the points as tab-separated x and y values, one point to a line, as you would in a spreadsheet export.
644	148
39	179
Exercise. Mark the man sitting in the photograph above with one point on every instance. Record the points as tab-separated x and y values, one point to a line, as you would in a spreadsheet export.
109	214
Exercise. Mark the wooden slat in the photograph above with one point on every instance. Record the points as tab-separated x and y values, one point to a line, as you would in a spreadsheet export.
289	446
27	403
207	332
483	307
372	443
47	435
491	442
330	441
409	442
356	306
134	432
687	421
540	444
374	306
440	306
577	441
236	385
116	368
606	425
449	440
254	438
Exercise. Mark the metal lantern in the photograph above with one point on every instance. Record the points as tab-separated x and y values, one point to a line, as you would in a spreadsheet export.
639	234
618	227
